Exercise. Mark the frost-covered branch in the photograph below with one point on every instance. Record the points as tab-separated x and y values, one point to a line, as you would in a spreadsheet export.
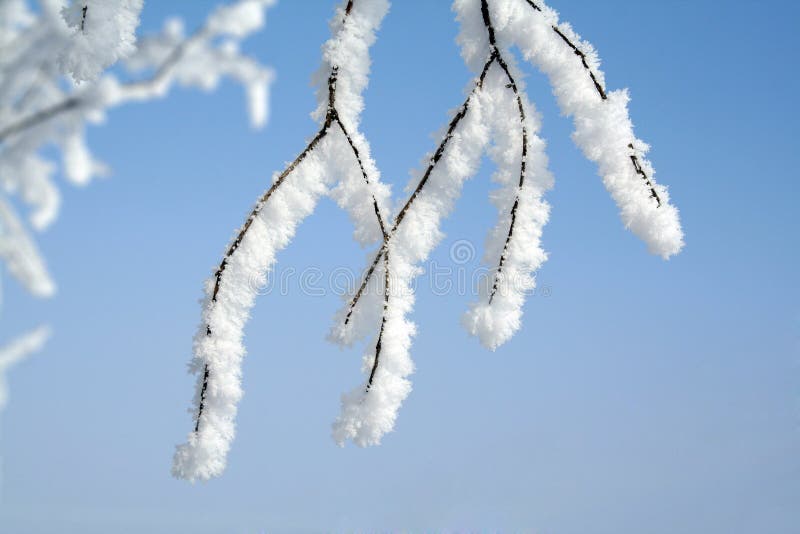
336	161
601	91
493	105
16	351
38	109
513	246
102	32
603	129
495	118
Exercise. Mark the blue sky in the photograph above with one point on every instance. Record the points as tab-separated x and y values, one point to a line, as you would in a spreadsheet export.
640	395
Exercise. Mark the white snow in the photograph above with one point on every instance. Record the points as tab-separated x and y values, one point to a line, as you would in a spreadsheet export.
38	109
330	166
103	31
16	351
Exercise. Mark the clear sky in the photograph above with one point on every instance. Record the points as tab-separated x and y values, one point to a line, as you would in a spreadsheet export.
641	396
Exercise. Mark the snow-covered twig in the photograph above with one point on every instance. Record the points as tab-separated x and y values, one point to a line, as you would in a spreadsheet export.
603	129
342	161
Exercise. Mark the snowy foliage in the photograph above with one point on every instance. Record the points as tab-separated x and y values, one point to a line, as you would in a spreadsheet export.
497	119
39	108
102	31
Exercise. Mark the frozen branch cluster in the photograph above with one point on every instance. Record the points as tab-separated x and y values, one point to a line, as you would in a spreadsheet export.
39	108
45	49
496	118
336	161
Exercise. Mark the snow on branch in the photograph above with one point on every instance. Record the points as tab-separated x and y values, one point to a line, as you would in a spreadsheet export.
603	129
336	161
102	31
16	351
38	109
21	255
495	118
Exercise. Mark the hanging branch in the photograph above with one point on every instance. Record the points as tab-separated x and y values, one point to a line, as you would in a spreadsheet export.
332	117
634	159
269	227
495	56
495	108
494	325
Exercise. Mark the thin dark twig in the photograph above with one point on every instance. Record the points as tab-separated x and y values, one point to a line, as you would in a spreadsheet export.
462	112
640	171
377	209
364	283
386	291
83	17
578	52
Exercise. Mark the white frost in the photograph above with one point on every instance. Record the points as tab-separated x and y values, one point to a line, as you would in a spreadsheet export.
103	31
16	351
496	119
39	110
328	167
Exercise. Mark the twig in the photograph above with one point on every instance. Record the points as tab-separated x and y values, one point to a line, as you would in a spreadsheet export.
386	291
512	84
83	17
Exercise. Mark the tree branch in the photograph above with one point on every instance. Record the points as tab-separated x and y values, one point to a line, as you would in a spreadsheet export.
332	116
512	84
73	101
602	92
460	114
40	116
